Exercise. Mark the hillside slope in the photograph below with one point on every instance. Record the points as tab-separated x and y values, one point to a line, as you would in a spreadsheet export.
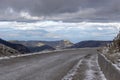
18	47
41	48
7	51
112	51
84	44
55	44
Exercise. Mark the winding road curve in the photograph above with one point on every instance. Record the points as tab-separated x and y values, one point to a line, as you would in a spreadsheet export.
47	66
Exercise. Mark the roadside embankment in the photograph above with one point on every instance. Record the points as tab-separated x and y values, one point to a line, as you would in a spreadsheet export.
110	70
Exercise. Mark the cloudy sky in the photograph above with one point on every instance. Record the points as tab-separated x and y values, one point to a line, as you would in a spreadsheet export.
75	20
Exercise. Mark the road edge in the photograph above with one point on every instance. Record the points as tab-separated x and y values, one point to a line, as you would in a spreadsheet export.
109	69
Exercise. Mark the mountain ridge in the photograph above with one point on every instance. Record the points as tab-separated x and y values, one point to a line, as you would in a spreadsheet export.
19	47
90	43
7	51
60	44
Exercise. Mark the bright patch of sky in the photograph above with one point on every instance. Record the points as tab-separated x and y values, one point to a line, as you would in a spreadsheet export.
58	30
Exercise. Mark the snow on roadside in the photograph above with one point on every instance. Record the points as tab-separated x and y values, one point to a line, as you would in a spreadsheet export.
72	72
113	58
4	57
94	71
21	55
116	65
101	73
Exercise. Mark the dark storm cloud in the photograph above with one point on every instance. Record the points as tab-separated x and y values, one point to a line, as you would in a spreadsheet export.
46	7
65	10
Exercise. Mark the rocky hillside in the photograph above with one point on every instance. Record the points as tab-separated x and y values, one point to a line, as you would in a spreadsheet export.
19	47
112	50
55	44
84	44
7	51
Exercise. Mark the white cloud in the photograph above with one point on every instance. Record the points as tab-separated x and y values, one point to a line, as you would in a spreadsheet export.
26	15
61	30
99	28
58	25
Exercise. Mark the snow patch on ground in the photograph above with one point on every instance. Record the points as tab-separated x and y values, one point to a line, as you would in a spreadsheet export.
115	65
21	55
100	71
113	58
72	72
89	75
4	58
93	70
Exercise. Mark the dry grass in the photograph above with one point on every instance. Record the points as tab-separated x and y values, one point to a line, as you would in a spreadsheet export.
113	52
7	51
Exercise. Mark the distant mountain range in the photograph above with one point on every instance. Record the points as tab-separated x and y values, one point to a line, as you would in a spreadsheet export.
90	43
54	44
41	48
21	47
61	44
12	48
